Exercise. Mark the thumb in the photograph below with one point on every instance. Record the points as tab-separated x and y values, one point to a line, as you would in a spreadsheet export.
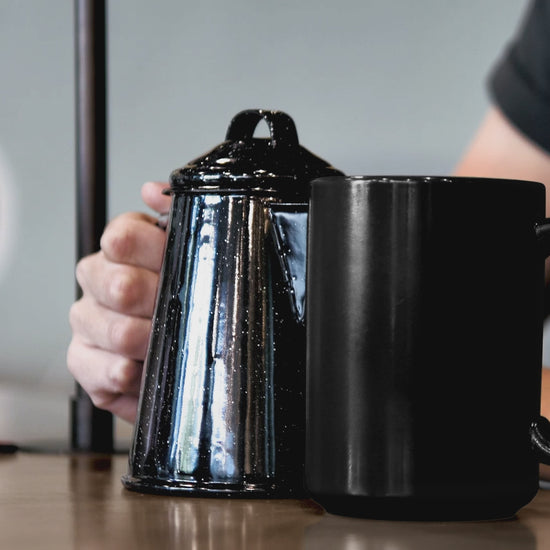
151	193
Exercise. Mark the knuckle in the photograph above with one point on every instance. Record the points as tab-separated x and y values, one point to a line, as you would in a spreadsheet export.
122	288
80	270
121	377
74	315
72	362
102	400
100	396
117	240
121	334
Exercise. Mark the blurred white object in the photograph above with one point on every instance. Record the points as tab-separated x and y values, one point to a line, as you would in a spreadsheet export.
7	215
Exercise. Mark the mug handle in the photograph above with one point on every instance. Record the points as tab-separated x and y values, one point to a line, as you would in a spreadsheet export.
540	428
540	439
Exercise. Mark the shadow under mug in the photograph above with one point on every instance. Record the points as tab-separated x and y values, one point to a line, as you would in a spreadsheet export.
424	345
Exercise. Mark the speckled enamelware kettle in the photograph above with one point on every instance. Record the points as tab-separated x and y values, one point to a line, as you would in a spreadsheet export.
222	404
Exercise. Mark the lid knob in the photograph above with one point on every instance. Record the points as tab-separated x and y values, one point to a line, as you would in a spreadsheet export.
281	127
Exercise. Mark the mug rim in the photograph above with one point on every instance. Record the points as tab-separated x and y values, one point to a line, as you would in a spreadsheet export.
421	179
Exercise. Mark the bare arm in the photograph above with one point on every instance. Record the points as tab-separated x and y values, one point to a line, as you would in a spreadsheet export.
498	150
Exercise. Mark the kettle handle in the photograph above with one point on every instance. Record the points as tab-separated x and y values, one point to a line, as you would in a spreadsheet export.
281	127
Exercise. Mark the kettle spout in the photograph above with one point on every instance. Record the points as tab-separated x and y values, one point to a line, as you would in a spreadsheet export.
289	224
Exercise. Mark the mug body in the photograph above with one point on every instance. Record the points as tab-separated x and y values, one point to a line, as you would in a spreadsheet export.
424	308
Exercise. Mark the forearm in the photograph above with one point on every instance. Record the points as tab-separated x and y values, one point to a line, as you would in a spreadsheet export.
498	150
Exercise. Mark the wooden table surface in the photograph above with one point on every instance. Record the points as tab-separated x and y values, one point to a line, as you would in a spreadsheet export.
77	501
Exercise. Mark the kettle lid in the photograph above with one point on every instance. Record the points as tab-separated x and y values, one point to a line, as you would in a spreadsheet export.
277	165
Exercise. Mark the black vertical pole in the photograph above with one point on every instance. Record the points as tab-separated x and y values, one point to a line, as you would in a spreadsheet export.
91	428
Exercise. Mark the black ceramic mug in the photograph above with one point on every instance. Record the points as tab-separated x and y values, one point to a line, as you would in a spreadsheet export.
425	309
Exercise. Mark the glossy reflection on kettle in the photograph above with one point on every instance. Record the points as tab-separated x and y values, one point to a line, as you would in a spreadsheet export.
222	406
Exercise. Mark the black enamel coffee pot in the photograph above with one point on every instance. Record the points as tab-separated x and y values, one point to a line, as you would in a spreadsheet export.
222	404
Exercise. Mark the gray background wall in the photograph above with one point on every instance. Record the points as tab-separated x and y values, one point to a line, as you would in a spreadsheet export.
374	86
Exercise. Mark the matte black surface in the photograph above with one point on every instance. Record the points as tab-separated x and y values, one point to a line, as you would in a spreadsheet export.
424	308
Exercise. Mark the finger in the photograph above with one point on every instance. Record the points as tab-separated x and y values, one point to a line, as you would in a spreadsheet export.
112	381
127	289
125	407
151	193
134	239
112	331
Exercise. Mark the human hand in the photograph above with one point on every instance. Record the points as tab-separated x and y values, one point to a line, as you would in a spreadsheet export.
112	321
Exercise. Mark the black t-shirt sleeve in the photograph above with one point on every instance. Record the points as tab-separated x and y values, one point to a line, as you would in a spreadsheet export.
520	82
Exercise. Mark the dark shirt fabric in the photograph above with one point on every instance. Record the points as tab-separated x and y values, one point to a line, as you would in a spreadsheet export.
520	82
